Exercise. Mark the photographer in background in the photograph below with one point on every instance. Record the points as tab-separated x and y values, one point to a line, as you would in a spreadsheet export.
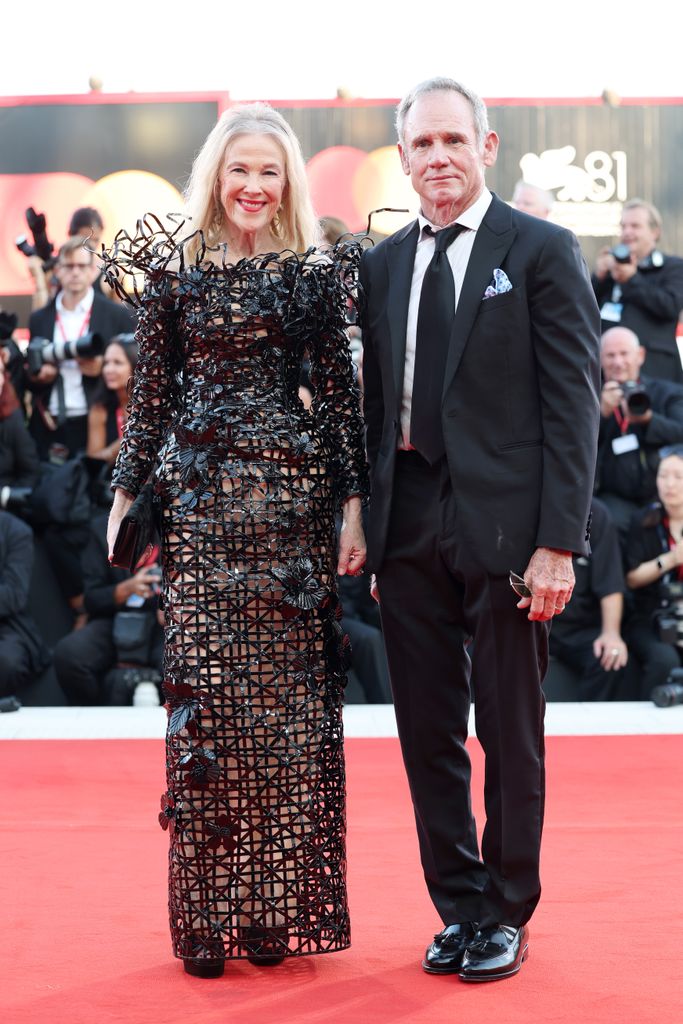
18	457
640	287
638	415
587	636
121	647
62	385
654	560
533	200
22	654
85	222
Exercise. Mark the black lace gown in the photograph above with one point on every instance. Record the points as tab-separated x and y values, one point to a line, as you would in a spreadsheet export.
248	483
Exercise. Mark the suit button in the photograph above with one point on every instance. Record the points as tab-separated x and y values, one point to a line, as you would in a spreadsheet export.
394	424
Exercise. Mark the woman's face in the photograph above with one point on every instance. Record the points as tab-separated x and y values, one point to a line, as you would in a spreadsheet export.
670	481
252	182
116	367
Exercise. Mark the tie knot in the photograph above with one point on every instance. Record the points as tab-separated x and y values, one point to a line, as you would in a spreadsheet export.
444	237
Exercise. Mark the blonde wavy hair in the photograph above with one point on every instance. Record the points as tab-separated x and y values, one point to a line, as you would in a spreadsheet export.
296	225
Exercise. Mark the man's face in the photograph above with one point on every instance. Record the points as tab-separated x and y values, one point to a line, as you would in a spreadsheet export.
75	272
637	232
620	358
528	201
441	154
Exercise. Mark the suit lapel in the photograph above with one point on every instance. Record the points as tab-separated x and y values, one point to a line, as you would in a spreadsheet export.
494	237
400	259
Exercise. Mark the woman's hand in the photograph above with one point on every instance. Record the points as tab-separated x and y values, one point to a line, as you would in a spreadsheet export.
122	502
351	540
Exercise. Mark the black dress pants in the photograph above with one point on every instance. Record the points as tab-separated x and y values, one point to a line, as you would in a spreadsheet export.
434	597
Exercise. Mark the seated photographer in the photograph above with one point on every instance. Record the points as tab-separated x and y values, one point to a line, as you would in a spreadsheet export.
109	409
22	654
18	456
654	561
64	358
587	635
639	415
103	662
640	287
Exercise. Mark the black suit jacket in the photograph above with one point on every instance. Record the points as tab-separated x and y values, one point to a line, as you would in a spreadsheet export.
520	406
108	318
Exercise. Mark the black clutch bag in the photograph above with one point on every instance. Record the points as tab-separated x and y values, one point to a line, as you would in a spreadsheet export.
138	531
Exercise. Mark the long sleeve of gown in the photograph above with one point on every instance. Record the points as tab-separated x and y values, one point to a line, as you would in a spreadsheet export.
336	405
154	397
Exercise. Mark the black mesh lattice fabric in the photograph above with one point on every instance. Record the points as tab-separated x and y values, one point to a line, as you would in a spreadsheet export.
248	483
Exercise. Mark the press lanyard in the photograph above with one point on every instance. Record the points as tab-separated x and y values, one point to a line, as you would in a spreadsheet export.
621	419
81	329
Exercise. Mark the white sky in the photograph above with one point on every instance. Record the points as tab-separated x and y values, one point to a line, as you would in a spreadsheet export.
304	49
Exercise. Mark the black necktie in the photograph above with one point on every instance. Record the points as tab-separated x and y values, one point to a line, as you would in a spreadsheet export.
434	322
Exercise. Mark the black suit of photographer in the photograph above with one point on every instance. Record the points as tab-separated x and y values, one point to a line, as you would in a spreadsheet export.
84	657
107	319
648	538
652	300
627	481
22	654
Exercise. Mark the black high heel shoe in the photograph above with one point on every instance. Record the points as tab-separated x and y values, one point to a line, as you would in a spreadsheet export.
203	968
264	946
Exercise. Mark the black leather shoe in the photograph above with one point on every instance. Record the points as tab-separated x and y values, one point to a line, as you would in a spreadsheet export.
445	954
265	946
494	953
204	968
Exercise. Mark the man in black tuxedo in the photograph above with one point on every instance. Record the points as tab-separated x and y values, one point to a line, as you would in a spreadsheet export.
63	389
481	383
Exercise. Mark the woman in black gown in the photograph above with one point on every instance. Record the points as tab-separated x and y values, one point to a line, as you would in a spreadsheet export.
248	483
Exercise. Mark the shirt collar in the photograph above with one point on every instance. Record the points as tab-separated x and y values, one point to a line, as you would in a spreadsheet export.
470	218
83	306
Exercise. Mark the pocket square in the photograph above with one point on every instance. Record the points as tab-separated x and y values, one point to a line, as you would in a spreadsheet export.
499	284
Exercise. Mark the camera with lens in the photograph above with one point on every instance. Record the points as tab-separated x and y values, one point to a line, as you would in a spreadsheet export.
669	617
671	692
42	246
621	253
124	681
42	350
637	399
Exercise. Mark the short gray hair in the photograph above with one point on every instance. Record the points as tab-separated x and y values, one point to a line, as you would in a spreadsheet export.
654	217
481	120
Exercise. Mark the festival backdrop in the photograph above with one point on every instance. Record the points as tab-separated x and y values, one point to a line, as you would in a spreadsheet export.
128	155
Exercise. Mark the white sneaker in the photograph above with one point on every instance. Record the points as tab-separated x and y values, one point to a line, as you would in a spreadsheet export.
146	695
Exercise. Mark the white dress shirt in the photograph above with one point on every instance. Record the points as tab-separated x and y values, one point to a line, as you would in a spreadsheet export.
71	324
459	252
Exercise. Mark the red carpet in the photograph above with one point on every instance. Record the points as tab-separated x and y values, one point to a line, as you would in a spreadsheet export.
83	915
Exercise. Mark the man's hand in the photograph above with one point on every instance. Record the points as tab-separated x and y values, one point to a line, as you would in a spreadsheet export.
604	263
611	398
550	578
623	272
46	374
611	650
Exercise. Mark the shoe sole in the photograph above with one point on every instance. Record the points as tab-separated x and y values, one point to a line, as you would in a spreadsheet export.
497	977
